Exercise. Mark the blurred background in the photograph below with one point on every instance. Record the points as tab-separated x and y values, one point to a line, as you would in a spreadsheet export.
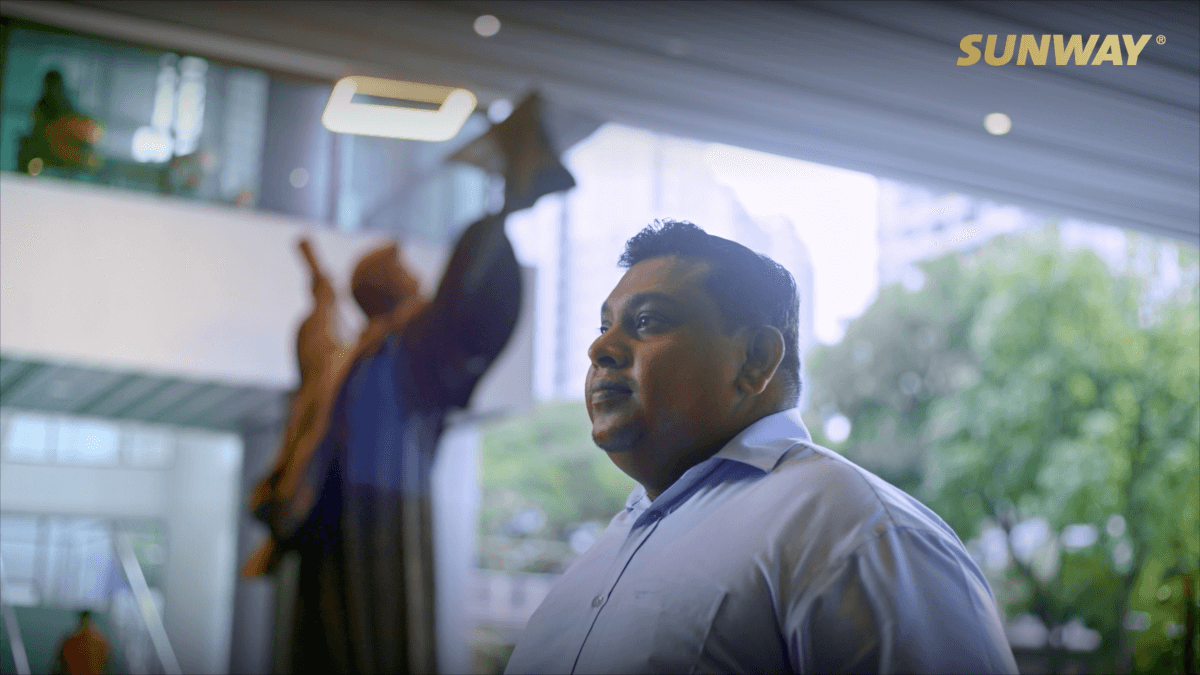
999	314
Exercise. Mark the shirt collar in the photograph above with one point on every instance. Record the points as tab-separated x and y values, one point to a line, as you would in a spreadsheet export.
764	443
638	494
760	445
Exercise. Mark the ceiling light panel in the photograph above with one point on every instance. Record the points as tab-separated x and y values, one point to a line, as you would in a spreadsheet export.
342	115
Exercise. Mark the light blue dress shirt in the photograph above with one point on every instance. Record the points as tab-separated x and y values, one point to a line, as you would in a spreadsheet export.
774	556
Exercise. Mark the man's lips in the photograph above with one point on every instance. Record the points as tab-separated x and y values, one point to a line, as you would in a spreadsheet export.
604	390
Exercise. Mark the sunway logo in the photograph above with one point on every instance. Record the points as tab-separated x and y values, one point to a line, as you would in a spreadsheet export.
1035	50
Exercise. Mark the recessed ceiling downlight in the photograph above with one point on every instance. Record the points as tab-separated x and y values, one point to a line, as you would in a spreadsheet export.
997	124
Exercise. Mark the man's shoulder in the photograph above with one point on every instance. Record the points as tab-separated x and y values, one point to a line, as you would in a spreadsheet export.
825	495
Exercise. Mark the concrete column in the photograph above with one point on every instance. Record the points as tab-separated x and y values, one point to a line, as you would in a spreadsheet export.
455	523
201	514
253	627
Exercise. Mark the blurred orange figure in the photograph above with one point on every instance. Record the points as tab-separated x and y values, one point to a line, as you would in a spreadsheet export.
85	652
61	137
71	139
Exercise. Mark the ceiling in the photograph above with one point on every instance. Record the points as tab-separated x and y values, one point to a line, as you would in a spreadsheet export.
96	392
870	86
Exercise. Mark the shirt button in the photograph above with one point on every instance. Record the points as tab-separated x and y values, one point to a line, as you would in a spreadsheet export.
597	601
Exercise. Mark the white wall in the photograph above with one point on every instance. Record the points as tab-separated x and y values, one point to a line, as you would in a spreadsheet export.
145	283
140	282
131	493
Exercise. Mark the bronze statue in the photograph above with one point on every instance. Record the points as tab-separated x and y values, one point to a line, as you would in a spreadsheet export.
350	489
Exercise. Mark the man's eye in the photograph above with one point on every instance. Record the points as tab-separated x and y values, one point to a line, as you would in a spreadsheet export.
602	329
647	321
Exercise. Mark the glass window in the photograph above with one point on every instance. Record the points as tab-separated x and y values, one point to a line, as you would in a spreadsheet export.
18	547
148	446
191	127
91	442
169	121
62	439
65	561
80	569
27	438
992	361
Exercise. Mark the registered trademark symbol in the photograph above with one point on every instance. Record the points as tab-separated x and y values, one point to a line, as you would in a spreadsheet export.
1161	39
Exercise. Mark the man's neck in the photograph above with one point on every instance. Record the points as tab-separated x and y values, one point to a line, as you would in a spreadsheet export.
656	474
669	475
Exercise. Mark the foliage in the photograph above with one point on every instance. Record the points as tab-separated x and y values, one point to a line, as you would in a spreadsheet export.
544	464
1025	381
491	650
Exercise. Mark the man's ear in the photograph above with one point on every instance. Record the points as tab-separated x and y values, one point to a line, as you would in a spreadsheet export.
764	353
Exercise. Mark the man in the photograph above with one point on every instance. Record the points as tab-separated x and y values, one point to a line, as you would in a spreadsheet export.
746	548
84	652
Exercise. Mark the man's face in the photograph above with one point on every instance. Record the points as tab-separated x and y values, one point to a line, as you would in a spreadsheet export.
663	373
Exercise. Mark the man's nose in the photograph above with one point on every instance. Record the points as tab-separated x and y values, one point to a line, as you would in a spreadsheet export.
609	350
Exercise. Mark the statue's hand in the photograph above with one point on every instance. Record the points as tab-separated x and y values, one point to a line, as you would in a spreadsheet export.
321	288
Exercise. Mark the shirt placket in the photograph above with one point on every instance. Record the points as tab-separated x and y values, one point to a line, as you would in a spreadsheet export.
640	532
636	538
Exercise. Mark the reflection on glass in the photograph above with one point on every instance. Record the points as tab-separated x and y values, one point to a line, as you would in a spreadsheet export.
189	116
92	442
27	439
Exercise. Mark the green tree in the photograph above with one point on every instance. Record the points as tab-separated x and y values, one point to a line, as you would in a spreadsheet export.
1026	381
545	463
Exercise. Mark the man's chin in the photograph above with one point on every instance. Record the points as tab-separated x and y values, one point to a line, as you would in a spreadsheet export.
616	438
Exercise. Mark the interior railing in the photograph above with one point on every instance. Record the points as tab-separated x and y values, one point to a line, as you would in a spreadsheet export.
20	658
145	603
147	610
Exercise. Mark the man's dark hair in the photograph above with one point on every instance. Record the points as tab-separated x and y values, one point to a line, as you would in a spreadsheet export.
751	289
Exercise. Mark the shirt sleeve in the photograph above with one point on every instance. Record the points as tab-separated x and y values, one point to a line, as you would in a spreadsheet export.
472	315
903	602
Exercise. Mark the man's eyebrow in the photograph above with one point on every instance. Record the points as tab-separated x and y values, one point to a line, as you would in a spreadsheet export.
653	296
642	298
